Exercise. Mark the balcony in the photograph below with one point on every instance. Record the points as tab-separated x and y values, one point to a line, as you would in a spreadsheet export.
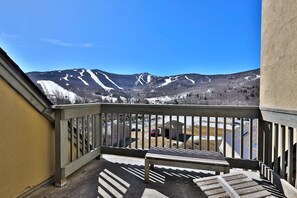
258	141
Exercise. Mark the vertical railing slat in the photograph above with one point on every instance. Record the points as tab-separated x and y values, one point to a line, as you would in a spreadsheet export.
216	134
72	140
192	133
260	140
150	130
88	133
163	130
118	130
170	131
251	138
106	122
241	137
130	130
111	129
233	137
208	132
93	132
77	138
156	134
185	132
200	133
290	156
83	135
275	149
269	145
177	138
99	131
224	131
124	130
136	132
283	154
142	132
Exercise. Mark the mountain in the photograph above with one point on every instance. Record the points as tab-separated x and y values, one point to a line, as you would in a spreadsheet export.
85	85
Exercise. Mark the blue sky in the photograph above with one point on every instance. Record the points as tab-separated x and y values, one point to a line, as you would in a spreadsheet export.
162	37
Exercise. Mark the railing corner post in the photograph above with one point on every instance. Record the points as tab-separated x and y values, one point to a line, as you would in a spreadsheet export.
61	148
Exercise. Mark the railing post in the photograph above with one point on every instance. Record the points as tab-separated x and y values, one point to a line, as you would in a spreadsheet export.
260	140
61	147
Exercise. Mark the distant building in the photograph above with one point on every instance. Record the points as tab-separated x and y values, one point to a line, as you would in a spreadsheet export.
111	137
176	129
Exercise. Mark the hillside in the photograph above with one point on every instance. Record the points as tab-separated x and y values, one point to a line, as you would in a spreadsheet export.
84	85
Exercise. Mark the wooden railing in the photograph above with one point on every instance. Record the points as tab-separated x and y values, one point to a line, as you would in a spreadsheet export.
77	138
231	129
85	131
245	135
279	148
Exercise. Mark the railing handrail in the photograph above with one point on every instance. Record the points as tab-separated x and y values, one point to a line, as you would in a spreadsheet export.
71	111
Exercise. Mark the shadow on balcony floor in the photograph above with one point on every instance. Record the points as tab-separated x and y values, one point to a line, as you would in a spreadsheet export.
114	176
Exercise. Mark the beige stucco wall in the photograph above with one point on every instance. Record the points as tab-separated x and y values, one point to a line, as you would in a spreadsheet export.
26	144
279	54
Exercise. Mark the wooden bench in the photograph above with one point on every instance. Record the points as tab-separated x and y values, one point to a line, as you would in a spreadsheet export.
185	158
231	185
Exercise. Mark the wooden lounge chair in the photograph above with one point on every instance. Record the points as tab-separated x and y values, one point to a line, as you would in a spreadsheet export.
231	185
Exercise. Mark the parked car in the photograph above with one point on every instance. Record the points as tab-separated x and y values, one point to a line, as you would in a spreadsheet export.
155	132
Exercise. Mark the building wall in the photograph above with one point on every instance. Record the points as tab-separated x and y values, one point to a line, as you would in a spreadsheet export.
279	54
26	144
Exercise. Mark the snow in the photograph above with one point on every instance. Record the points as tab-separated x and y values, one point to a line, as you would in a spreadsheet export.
192	81
82	72
148	79
113	99
183	95
83	80
257	77
140	77
160	99
208	91
123	99
53	89
67	84
111	81
66	77
211	137
96	79
248	77
168	81
209	80
80	77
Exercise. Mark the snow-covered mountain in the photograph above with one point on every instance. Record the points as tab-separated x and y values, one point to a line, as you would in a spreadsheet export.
85	85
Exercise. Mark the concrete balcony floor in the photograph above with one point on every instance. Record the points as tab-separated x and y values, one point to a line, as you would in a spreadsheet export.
118	176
